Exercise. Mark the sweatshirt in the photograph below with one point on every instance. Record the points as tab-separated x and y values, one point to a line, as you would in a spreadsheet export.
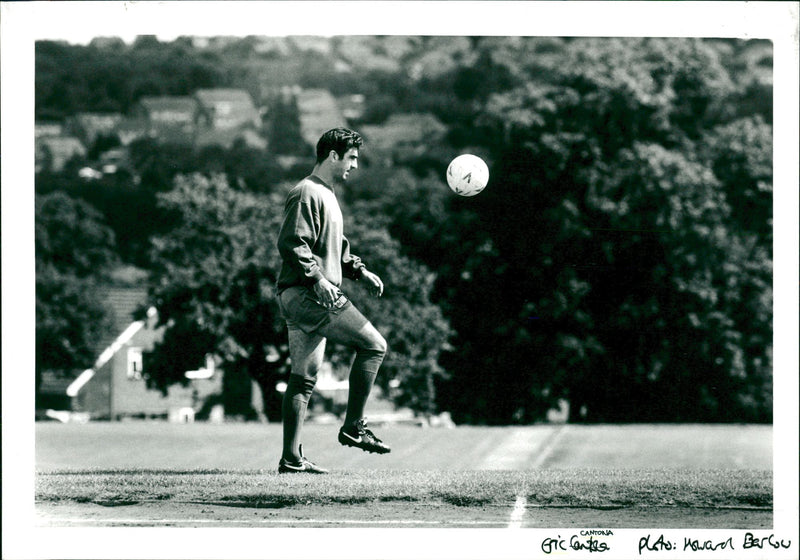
311	240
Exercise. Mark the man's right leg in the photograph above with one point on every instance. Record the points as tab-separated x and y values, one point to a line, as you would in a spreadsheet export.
307	352
352	329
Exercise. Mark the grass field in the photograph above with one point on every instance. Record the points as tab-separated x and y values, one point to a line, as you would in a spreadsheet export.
574	487
199	474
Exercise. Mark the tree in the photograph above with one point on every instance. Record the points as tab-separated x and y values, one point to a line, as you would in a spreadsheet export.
214	282
214	285
74	251
615	235
255	168
620	257
415	328
283	130
613	251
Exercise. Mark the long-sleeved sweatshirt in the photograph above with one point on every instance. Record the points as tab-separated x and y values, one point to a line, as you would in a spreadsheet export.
311	241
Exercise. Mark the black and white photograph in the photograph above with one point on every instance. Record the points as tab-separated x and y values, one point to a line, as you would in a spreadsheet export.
391	280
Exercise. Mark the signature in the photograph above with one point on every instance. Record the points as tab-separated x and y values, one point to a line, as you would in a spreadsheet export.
586	542
658	545
663	544
751	541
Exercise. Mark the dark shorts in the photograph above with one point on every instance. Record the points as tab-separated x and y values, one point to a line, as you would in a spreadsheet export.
310	327
301	310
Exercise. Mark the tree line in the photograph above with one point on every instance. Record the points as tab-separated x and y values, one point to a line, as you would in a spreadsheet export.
620	258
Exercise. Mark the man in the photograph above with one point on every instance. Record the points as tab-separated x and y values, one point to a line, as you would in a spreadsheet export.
316	257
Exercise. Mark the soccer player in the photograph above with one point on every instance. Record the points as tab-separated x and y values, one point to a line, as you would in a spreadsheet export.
316	257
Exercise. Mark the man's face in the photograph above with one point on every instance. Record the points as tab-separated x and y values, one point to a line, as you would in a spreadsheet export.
343	166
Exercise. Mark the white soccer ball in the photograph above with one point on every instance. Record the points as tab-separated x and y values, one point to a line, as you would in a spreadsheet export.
467	175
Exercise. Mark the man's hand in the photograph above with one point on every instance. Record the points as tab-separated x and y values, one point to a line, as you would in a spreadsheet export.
374	282
326	293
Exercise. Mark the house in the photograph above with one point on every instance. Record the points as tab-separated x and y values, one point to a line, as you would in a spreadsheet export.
404	135
53	152
223	109
168	118
225	116
110	162
319	112
227	137
210	117
114	386
167	111
114	160
131	128
44	129
88	126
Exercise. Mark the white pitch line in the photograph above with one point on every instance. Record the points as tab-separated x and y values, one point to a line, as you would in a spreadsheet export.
513	451
518	513
521	503
548	449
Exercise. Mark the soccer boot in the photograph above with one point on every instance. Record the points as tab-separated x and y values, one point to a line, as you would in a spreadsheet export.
303	465
358	435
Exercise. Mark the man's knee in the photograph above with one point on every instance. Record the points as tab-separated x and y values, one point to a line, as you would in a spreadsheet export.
371	340
305	368
300	387
373	354
376	344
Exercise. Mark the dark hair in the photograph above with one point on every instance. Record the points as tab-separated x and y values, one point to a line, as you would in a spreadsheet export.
339	140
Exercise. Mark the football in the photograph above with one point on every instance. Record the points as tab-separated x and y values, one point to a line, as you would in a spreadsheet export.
467	175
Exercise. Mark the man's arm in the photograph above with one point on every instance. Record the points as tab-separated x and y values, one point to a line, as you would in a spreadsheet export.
298	234
373	281
354	268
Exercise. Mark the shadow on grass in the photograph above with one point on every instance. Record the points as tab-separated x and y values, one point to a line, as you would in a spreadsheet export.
250	504
278	501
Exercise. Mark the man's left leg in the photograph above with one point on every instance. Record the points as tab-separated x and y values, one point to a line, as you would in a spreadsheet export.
352	329
307	352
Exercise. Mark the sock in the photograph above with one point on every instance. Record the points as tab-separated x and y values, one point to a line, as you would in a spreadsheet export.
362	378
295	402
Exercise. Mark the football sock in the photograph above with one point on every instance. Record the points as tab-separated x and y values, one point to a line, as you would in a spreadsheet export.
362	378
295	401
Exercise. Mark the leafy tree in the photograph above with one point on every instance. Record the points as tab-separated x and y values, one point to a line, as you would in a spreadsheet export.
74	250
74	78
215	279
127	200
609	251
283	127
620	258
102	143
740	153
214	282
158	162
255	169
70	234
415	328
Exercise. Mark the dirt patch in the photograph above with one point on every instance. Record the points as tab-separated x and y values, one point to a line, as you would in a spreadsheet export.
390	514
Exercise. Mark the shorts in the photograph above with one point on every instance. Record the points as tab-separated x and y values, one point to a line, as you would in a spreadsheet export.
300	309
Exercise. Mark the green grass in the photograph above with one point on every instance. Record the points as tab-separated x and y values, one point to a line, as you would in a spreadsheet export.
591	488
